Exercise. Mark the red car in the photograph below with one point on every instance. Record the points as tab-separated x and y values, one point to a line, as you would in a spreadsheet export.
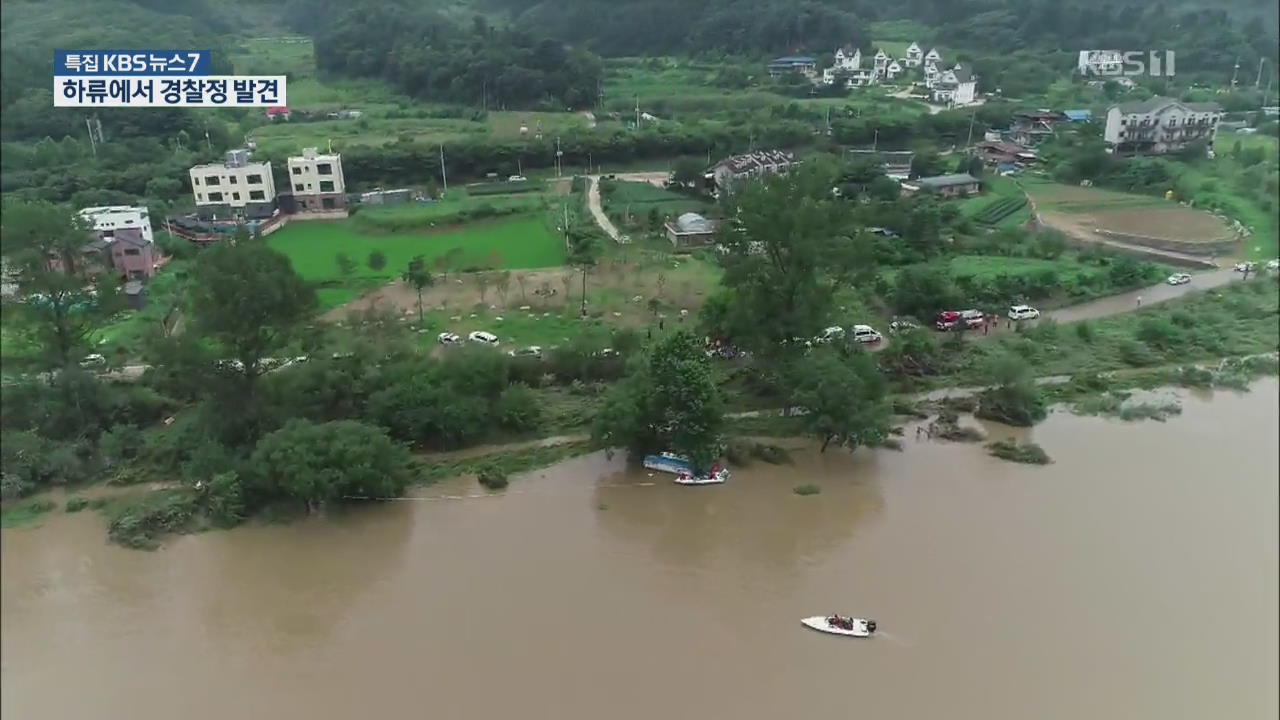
950	319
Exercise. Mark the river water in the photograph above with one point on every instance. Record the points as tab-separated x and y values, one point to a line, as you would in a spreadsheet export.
1134	578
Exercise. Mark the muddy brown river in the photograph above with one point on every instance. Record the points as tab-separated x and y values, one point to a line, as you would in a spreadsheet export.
1134	578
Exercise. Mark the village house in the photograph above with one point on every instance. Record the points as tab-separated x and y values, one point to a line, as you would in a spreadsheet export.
122	240
955	87
755	164
945	185
106	220
914	56
317	181
235	188
848	69
1033	127
126	252
690	231
1160	125
1004	154
801	64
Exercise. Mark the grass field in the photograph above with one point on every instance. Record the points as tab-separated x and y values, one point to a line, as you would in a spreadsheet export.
525	242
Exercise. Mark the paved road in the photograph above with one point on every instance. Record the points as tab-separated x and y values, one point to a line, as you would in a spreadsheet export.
1128	302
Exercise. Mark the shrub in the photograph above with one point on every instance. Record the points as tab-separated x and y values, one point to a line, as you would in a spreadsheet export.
518	408
1027	452
223	500
138	522
26	512
120	444
807	489
492	477
739	452
76	504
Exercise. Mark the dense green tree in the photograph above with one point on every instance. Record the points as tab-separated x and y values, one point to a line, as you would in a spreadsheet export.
923	291
788	251
329	462
687	171
844	395
247	304
64	298
669	401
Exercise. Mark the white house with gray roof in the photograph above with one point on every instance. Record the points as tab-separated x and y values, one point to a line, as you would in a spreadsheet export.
1160	125
957	86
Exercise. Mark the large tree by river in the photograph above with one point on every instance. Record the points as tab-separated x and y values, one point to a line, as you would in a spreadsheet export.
669	401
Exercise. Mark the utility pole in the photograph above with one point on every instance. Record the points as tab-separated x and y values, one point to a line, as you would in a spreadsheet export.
1235	71
444	178
637	112
972	117
1258	83
93	143
875	140
558	155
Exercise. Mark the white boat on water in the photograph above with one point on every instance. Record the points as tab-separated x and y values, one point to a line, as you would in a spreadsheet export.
837	625
713	478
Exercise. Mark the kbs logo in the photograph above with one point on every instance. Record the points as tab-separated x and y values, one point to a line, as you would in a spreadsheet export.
1129	63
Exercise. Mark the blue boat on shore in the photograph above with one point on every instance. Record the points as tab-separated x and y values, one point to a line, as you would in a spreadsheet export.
669	463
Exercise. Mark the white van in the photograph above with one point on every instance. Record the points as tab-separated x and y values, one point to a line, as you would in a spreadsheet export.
865	334
480	336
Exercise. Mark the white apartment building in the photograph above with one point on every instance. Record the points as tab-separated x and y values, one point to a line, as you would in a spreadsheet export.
317	182
1160	125
105	221
234	188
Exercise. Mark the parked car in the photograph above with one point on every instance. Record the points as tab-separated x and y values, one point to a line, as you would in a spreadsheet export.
531	351
1023	312
605	353
973	318
865	334
448	338
898	326
1179	279
1273	264
835	332
1245	267
94	360
517	178
482	337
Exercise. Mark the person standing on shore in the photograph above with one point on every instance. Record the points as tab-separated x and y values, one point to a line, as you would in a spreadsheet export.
1139	301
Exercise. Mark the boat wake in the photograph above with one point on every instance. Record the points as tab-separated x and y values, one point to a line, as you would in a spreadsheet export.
900	642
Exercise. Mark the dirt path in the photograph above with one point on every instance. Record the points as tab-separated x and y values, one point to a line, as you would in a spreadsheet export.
597	211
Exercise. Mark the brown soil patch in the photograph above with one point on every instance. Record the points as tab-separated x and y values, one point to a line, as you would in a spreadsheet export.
1173	223
612	287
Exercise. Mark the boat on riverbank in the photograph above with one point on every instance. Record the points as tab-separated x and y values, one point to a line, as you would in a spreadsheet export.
683	469
715	477
837	625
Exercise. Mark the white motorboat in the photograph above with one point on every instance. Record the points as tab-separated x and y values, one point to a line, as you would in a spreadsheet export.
837	625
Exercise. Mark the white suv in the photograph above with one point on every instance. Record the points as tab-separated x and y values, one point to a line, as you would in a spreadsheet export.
480	336
1023	312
